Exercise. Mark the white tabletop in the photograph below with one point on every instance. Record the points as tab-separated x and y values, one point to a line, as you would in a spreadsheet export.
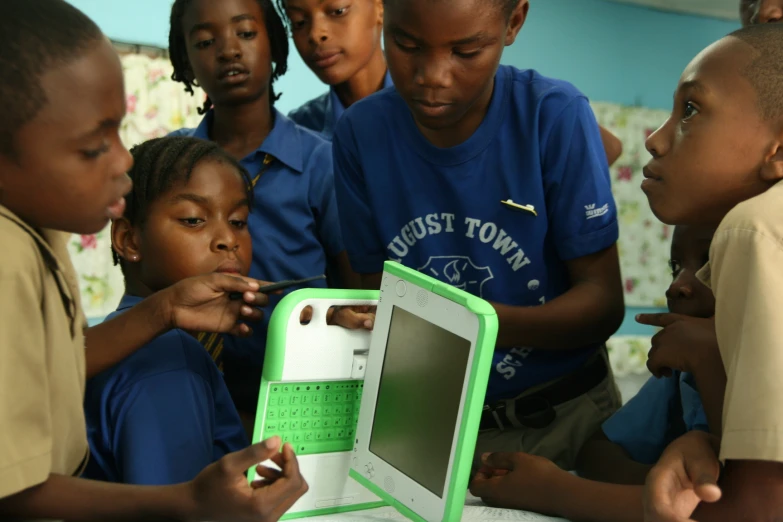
475	511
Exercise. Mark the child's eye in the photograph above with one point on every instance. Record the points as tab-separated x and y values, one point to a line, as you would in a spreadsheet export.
238	223
247	35
298	24
339	12
203	44
191	222
675	267
690	110
468	54
404	47
92	154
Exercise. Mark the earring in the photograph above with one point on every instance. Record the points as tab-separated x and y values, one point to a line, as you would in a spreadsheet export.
134	258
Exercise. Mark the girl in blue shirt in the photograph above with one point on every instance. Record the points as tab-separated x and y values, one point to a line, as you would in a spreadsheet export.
235	50
164	413
341	43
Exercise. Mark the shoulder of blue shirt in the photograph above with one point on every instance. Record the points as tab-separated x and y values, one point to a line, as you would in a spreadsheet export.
312	114
528	86
639	426
172	352
301	149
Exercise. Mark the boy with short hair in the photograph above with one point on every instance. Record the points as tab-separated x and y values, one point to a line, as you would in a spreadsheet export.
494	180
62	170
719	159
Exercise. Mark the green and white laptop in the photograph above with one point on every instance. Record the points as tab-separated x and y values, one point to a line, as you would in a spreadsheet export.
424	389
311	389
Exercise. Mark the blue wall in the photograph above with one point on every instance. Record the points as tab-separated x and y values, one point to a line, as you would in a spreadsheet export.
613	52
617	53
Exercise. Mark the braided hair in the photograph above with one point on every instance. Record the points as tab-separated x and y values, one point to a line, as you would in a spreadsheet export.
160	163
178	53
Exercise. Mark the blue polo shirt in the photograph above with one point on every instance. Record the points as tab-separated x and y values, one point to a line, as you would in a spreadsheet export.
293	222
439	210
161	415
321	114
663	410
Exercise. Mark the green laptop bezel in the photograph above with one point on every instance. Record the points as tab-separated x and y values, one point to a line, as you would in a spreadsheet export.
474	398
274	360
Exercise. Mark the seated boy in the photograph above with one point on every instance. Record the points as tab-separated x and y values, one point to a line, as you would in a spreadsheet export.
719	159
164	413
633	439
630	441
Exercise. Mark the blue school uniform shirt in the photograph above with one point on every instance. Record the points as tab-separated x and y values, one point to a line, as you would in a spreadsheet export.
161	415
321	114
293	222
439	210
663	410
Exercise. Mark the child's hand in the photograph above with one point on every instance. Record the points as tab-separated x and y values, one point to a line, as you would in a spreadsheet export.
684	344
686	475
518	481
352	317
222	492
202	304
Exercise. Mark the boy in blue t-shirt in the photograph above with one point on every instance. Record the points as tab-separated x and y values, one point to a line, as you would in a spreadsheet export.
235	51
614	464
494	180
164	413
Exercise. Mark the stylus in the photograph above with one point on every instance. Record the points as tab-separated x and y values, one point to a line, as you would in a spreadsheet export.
282	285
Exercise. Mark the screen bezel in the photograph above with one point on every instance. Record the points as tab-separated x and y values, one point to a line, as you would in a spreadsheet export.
441	312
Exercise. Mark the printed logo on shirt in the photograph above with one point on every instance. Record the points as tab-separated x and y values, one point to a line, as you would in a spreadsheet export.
458	271
515	358
482	232
591	212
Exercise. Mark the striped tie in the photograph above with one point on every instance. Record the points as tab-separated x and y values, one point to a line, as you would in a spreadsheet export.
213	342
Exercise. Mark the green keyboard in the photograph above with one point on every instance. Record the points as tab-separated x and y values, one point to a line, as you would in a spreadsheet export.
315	417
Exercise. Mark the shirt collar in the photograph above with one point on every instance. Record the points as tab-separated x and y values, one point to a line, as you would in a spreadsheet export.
284	142
39	237
128	301
335	108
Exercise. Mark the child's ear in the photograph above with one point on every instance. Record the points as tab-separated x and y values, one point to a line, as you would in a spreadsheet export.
124	241
516	21
379	9
772	169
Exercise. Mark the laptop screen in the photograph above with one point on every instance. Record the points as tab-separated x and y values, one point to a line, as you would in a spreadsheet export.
418	400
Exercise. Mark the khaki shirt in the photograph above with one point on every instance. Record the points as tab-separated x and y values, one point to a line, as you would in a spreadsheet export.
42	366
746	275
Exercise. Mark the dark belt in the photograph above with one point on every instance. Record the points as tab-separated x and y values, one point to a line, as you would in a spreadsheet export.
537	410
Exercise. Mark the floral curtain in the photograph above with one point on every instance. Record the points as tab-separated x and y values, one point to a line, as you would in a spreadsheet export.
156	106
644	241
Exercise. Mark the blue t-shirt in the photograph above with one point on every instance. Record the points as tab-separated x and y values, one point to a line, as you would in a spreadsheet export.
439	210
293	223
161	415
321	114
663	410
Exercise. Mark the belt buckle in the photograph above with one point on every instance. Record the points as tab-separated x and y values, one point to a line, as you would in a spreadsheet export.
493	410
